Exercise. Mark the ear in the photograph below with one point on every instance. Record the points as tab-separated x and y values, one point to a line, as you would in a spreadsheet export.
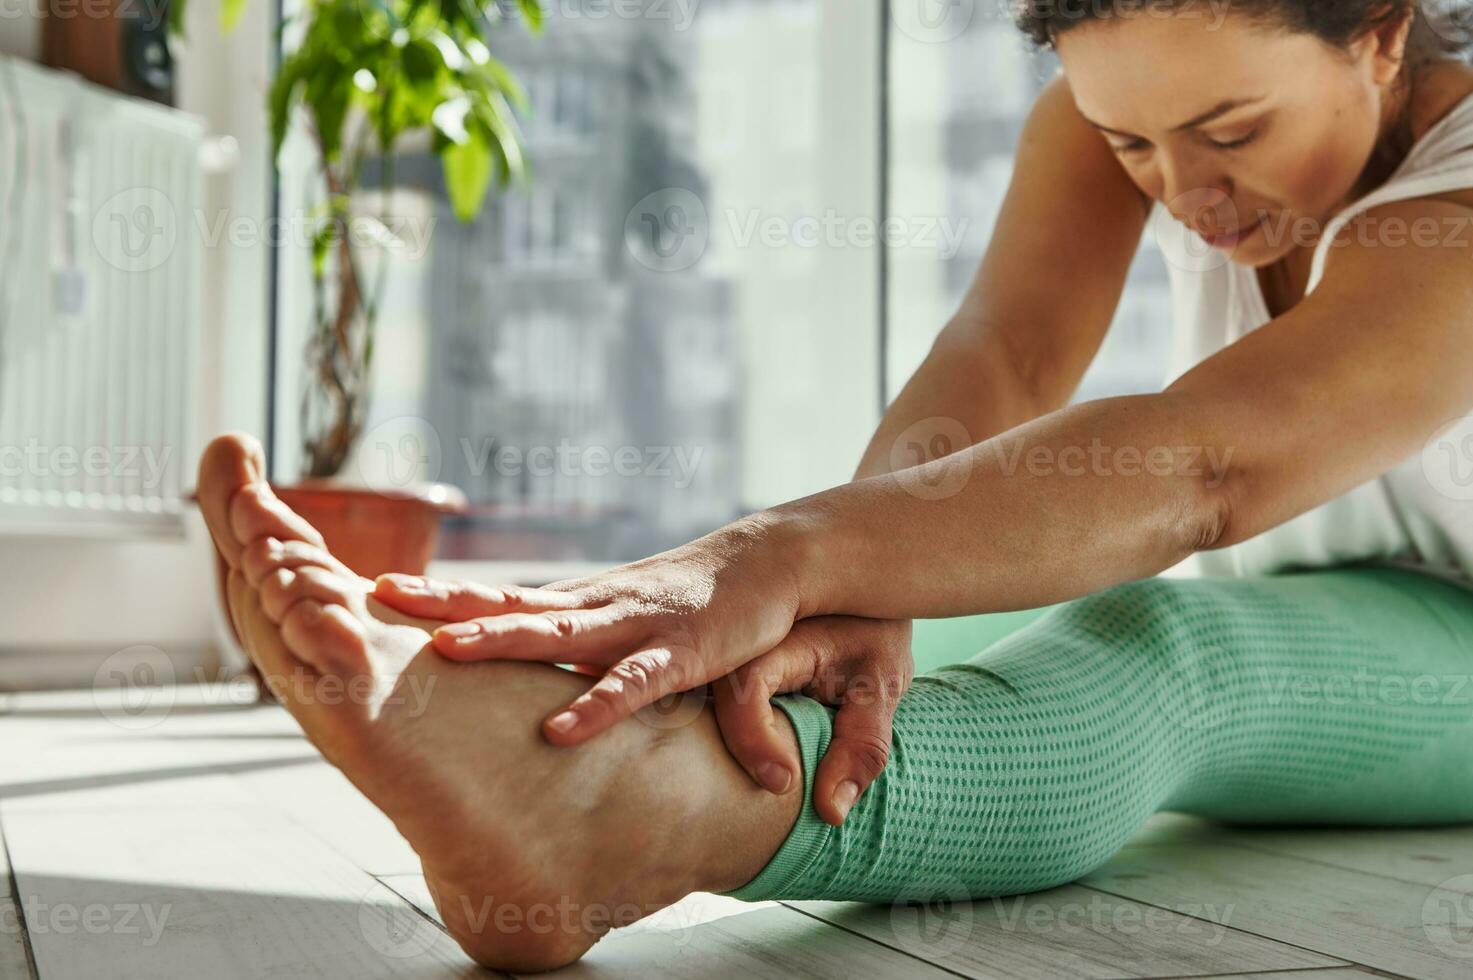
1386	45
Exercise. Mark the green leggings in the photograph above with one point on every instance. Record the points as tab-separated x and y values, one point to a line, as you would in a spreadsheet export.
1339	696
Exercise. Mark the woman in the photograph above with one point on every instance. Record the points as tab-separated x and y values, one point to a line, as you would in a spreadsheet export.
1315	682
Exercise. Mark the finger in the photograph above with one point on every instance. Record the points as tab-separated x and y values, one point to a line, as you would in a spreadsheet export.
430	598
599	636
637	680
858	752
745	715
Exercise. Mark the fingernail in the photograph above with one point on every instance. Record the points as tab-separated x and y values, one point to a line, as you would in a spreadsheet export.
845	795
460	631
409	583
773	777
563	722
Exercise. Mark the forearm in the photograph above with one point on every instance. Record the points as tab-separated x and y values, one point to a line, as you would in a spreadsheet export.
1075	501
966	380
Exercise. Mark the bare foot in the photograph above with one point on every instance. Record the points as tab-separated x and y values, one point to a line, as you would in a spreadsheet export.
532	852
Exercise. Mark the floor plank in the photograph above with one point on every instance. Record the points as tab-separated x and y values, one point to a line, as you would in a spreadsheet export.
15	961
321	799
715	936
209	892
1364	919
1068	931
1330	973
1428	856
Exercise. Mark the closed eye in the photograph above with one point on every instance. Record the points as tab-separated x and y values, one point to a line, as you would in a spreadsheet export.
1237	143
1137	146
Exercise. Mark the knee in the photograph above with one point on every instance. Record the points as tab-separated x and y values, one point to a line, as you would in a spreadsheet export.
1149	605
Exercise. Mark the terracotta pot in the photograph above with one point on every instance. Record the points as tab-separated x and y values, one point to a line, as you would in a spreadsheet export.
375	531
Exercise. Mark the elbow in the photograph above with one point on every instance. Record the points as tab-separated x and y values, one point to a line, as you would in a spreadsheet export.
1212	514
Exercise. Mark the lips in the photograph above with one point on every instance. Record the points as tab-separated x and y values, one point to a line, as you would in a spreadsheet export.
1232	238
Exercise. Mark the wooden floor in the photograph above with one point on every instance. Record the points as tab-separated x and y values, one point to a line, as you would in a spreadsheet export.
202	837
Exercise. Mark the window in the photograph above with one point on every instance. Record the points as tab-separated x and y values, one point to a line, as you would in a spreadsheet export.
679	320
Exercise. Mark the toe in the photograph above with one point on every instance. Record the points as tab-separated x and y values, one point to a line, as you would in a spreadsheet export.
237	592
285	587
262	639
266	555
327	636
256	512
228	463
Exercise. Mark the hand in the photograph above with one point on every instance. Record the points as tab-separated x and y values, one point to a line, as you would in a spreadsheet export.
665	624
862	665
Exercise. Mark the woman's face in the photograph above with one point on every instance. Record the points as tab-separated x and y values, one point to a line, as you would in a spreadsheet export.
1235	127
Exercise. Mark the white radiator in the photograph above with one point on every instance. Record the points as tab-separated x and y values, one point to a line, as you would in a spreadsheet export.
100	242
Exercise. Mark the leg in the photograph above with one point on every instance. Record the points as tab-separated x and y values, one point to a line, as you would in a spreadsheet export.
531	852
1334	697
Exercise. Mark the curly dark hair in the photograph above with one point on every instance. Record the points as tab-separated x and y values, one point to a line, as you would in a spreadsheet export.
1441	28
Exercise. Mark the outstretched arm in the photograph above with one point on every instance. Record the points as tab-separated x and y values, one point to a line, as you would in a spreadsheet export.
1354	379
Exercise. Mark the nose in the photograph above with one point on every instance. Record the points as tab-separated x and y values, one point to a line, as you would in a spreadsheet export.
1198	197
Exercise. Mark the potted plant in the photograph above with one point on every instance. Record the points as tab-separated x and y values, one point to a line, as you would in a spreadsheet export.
364	74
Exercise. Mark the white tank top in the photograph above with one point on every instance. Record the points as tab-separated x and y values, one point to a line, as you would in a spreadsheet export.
1419	514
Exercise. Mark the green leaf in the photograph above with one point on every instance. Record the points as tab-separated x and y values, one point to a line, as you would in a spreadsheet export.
532	10
467	169
230	11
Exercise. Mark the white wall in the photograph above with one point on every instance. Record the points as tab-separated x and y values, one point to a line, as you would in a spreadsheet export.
86	597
